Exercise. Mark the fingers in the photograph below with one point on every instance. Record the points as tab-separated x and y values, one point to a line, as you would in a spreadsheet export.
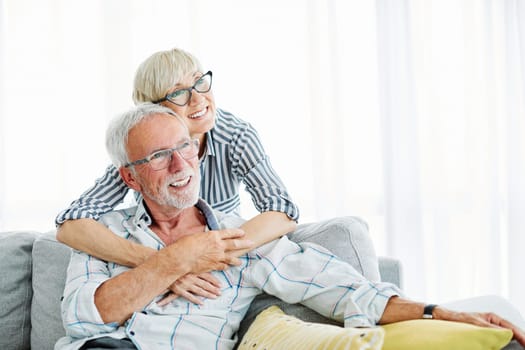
167	299
494	319
490	320
230	260
231	233
199	285
519	335
216	250
210	279
238	244
191	297
193	288
233	240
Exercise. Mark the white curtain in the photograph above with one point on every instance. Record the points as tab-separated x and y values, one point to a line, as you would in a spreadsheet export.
407	113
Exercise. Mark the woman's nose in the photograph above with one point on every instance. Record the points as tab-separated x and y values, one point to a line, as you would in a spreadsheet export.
196	97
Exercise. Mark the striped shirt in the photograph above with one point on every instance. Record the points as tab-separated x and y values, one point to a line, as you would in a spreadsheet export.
305	273
234	155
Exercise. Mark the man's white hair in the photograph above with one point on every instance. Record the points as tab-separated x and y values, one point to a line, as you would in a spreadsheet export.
119	128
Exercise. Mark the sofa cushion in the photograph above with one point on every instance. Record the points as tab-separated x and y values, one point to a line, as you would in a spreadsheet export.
15	289
50	260
347	237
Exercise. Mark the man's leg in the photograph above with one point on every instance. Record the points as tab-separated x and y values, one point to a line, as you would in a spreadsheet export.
108	343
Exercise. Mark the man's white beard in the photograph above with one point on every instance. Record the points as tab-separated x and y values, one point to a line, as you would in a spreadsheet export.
185	198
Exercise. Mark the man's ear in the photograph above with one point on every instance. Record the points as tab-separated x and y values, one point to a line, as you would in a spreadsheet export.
129	178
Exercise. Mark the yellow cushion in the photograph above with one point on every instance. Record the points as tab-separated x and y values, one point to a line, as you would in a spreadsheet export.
274	330
440	335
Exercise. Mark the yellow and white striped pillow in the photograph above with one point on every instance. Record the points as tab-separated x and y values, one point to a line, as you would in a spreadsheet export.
274	330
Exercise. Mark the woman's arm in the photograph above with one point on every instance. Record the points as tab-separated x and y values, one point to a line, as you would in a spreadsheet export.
266	227
107	192
245	161
94	238
78	228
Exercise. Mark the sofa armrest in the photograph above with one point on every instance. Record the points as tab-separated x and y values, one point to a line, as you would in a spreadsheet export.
390	270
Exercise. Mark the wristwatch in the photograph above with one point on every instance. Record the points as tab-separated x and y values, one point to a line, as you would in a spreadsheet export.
427	311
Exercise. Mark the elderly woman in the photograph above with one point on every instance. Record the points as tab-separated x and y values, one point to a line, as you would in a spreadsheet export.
230	153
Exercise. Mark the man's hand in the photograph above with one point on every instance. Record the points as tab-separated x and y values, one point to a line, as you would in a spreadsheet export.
400	309
192	287
120	296
485	319
213	250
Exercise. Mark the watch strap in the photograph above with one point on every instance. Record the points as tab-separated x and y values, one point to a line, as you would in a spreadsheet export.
427	311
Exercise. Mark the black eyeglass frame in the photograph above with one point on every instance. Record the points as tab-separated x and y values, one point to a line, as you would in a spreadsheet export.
168	96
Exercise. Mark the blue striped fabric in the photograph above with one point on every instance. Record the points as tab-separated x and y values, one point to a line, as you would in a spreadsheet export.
304	273
234	156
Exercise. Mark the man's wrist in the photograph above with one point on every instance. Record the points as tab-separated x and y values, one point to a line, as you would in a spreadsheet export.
428	311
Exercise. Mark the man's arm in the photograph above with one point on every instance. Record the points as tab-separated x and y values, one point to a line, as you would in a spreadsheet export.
95	303
310	275
117	298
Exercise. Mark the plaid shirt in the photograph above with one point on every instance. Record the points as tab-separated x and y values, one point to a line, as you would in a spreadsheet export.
305	273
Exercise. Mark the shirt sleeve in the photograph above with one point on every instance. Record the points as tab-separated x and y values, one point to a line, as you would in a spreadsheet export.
106	194
252	166
311	275
80	316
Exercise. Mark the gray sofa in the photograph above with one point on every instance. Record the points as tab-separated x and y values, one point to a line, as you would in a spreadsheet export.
32	276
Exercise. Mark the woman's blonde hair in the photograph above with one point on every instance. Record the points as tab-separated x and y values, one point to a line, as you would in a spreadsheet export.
160	72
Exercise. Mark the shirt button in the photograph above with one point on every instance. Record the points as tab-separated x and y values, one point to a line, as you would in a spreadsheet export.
132	332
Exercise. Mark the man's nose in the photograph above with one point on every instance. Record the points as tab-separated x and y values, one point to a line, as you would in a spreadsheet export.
177	162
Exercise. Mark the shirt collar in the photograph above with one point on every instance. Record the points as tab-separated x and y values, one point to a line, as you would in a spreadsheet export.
142	215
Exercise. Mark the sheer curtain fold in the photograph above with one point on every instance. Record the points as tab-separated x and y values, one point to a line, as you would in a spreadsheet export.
400	140
3	38
452	111
515	102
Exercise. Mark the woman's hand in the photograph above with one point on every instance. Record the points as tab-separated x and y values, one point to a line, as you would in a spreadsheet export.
193	288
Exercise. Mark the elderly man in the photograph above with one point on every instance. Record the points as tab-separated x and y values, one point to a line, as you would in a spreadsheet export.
107	305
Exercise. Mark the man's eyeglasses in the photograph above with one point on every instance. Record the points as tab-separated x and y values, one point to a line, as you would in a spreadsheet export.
161	159
182	96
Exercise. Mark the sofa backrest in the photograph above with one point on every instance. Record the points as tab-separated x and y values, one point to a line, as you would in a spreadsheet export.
32	277
15	289
50	260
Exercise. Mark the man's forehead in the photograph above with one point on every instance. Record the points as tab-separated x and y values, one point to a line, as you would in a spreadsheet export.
167	120
161	128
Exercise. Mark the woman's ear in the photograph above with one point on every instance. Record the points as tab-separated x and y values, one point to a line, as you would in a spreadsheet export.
128	177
